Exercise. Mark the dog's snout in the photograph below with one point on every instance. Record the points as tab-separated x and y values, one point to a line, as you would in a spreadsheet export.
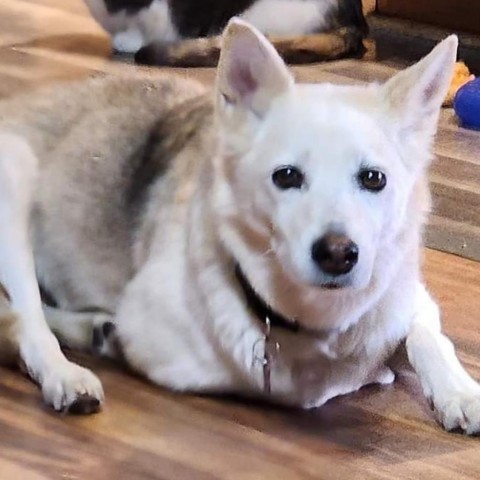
335	253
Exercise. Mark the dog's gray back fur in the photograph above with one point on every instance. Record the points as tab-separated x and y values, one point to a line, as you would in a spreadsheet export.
101	145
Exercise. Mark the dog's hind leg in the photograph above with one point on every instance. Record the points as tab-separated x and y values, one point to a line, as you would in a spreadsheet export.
89	331
65	385
453	393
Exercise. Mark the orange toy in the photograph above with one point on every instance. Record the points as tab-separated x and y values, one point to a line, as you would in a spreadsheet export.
461	76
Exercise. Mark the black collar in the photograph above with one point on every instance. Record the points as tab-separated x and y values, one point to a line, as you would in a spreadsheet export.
260	308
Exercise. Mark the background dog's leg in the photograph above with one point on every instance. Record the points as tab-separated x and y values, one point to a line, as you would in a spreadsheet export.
453	393
88	331
65	385
205	52
320	47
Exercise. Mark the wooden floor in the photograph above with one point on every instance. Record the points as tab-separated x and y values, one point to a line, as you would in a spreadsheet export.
146	433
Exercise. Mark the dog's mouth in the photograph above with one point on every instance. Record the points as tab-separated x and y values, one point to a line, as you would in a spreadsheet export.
332	286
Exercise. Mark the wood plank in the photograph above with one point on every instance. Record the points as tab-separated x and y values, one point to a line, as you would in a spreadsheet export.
453	236
22	21
369	6
456	201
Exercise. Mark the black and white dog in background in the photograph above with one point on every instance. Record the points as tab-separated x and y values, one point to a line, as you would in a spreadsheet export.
185	32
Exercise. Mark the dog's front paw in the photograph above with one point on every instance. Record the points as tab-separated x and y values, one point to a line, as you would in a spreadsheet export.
459	410
73	389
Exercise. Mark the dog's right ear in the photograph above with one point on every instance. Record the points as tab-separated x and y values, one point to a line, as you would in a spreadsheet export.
251	74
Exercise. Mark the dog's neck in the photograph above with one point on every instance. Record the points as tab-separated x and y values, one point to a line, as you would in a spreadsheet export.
269	319
261	309
302	308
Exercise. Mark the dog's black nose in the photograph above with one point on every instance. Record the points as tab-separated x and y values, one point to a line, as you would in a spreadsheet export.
335	253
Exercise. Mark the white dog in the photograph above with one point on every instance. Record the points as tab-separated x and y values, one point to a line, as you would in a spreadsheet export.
268	245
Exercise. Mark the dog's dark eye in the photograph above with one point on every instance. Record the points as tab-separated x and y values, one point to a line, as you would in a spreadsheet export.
372	180
288	177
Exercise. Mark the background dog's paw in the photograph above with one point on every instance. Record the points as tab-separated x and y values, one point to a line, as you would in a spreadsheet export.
460	411
73	389
128	42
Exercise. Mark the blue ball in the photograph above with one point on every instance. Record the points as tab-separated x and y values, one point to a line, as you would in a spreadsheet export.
467	104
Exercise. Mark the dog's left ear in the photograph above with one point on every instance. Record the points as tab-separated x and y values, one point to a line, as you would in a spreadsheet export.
251	74
414	96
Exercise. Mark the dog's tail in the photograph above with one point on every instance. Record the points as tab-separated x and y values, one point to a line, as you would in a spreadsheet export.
295	50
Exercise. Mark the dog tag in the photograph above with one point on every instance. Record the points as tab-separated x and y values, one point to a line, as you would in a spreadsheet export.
264	352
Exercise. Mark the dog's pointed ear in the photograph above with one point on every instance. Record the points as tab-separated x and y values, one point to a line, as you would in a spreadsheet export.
414	96
251	74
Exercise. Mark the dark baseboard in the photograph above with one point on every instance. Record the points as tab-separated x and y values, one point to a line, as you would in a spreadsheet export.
404	41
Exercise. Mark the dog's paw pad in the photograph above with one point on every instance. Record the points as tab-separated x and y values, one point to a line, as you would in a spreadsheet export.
108	328
103	339
85	405
72	388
